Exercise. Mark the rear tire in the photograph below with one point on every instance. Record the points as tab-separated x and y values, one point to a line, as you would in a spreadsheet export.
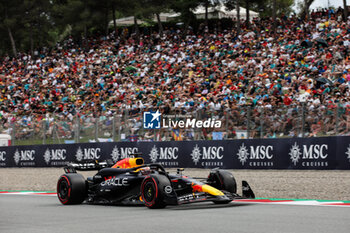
152	192
71	189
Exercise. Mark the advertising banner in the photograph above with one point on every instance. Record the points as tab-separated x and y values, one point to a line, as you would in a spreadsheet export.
289	153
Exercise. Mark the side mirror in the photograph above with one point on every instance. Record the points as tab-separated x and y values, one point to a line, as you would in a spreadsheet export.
180	170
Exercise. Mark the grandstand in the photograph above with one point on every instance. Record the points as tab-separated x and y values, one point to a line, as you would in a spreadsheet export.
293	82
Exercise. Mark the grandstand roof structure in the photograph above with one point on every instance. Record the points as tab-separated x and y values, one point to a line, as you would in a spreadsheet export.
217	12
220	12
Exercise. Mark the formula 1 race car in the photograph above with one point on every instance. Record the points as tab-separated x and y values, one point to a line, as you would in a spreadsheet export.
130	181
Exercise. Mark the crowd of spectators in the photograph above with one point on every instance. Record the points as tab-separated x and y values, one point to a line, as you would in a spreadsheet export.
276	79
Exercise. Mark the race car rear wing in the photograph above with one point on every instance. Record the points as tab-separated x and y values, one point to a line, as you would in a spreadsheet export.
87	166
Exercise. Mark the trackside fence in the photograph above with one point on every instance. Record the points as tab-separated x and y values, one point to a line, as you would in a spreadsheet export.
122	125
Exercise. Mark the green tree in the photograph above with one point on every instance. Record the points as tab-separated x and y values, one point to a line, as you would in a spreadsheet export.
345	10
37	24
28	24
9	20
155	7
186	8
304	13
207	4
84	16
235	4
114	5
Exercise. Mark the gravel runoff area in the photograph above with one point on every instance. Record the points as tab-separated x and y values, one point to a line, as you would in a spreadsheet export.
300	184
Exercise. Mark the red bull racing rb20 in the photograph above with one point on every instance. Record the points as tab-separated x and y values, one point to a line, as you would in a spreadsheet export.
131	182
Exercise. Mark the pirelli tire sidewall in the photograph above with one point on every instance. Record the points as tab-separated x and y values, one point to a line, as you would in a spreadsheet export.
71	189
153	190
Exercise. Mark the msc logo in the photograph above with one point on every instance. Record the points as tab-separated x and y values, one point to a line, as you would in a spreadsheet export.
260	154
55	154
165	153
311	155
347	152
211	153
123	152
88	154
2	156
151	120
24	155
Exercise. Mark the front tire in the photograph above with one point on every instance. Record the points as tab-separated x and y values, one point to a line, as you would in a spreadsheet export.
224	181
71	189
152	193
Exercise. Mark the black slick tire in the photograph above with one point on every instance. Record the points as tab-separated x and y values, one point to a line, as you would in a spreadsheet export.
152	193
71	189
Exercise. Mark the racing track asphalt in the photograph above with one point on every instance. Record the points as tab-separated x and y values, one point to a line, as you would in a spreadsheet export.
43	214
